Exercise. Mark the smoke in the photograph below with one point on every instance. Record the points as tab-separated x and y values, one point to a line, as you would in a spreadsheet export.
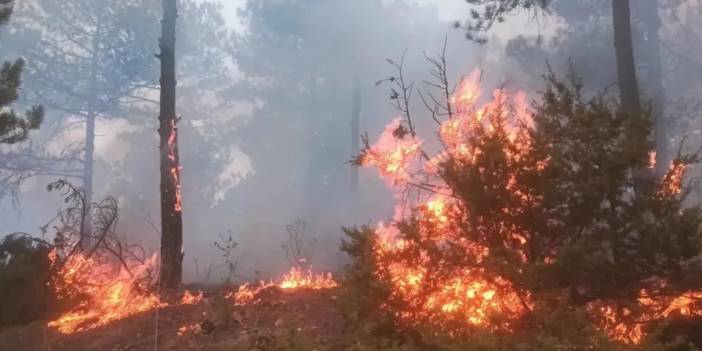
266	96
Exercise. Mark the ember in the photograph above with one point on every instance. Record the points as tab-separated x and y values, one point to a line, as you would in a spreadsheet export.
191	299
189	329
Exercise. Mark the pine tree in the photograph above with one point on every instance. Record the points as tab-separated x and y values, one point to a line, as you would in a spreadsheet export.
171	217
496	10
14	128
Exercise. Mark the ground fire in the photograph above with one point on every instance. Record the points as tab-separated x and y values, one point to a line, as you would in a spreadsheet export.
296	278
106	294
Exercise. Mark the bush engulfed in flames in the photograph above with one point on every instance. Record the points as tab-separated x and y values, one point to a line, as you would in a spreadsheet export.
441	259
102	294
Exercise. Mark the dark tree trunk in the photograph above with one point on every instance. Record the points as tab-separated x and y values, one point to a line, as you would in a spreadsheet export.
650	47
355	135
171	217
629	87
626	69
89	157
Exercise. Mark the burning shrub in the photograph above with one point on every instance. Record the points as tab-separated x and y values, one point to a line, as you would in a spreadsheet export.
88	277
525	210
97	278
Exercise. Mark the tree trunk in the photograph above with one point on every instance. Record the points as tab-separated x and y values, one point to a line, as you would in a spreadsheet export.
626	69
171	216
651	48
629	88
355	145
89	157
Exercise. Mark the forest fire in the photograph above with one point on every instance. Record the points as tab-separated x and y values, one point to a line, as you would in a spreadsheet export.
470	296
296	278
435	225
103	295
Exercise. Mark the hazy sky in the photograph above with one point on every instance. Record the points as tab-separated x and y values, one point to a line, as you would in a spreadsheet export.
449	11
258	213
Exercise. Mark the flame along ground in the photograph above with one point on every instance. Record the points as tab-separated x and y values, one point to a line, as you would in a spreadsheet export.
107	296
296	278
474	297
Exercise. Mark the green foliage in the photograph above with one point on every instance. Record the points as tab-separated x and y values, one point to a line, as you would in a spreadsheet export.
596	226
13	128
494	11
24	275
609	232
362	291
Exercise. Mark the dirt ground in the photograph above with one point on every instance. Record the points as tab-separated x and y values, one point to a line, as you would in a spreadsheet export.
213	324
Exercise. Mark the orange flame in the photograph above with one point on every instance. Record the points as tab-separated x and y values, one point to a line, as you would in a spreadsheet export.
189	329
106	296
673	180
469	297
173	157
390	155
191	299
629	327
296	278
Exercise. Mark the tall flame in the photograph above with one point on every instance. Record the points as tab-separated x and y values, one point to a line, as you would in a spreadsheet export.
420	280
468	296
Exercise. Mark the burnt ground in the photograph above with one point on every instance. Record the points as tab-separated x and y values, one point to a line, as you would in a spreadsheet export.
281	318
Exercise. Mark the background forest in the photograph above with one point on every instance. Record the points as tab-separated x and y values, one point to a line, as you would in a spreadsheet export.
283	105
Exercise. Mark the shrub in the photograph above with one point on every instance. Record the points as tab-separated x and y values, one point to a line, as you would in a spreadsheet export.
539	222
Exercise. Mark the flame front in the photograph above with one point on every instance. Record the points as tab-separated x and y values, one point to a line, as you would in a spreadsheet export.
299	279
105	296
296	278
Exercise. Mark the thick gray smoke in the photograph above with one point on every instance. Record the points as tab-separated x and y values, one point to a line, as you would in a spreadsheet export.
268	90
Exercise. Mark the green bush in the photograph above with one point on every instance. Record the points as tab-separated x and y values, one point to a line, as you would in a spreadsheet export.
24	277
594	225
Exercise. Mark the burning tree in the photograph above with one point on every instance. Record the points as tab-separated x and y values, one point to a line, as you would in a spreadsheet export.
171	217
519	211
